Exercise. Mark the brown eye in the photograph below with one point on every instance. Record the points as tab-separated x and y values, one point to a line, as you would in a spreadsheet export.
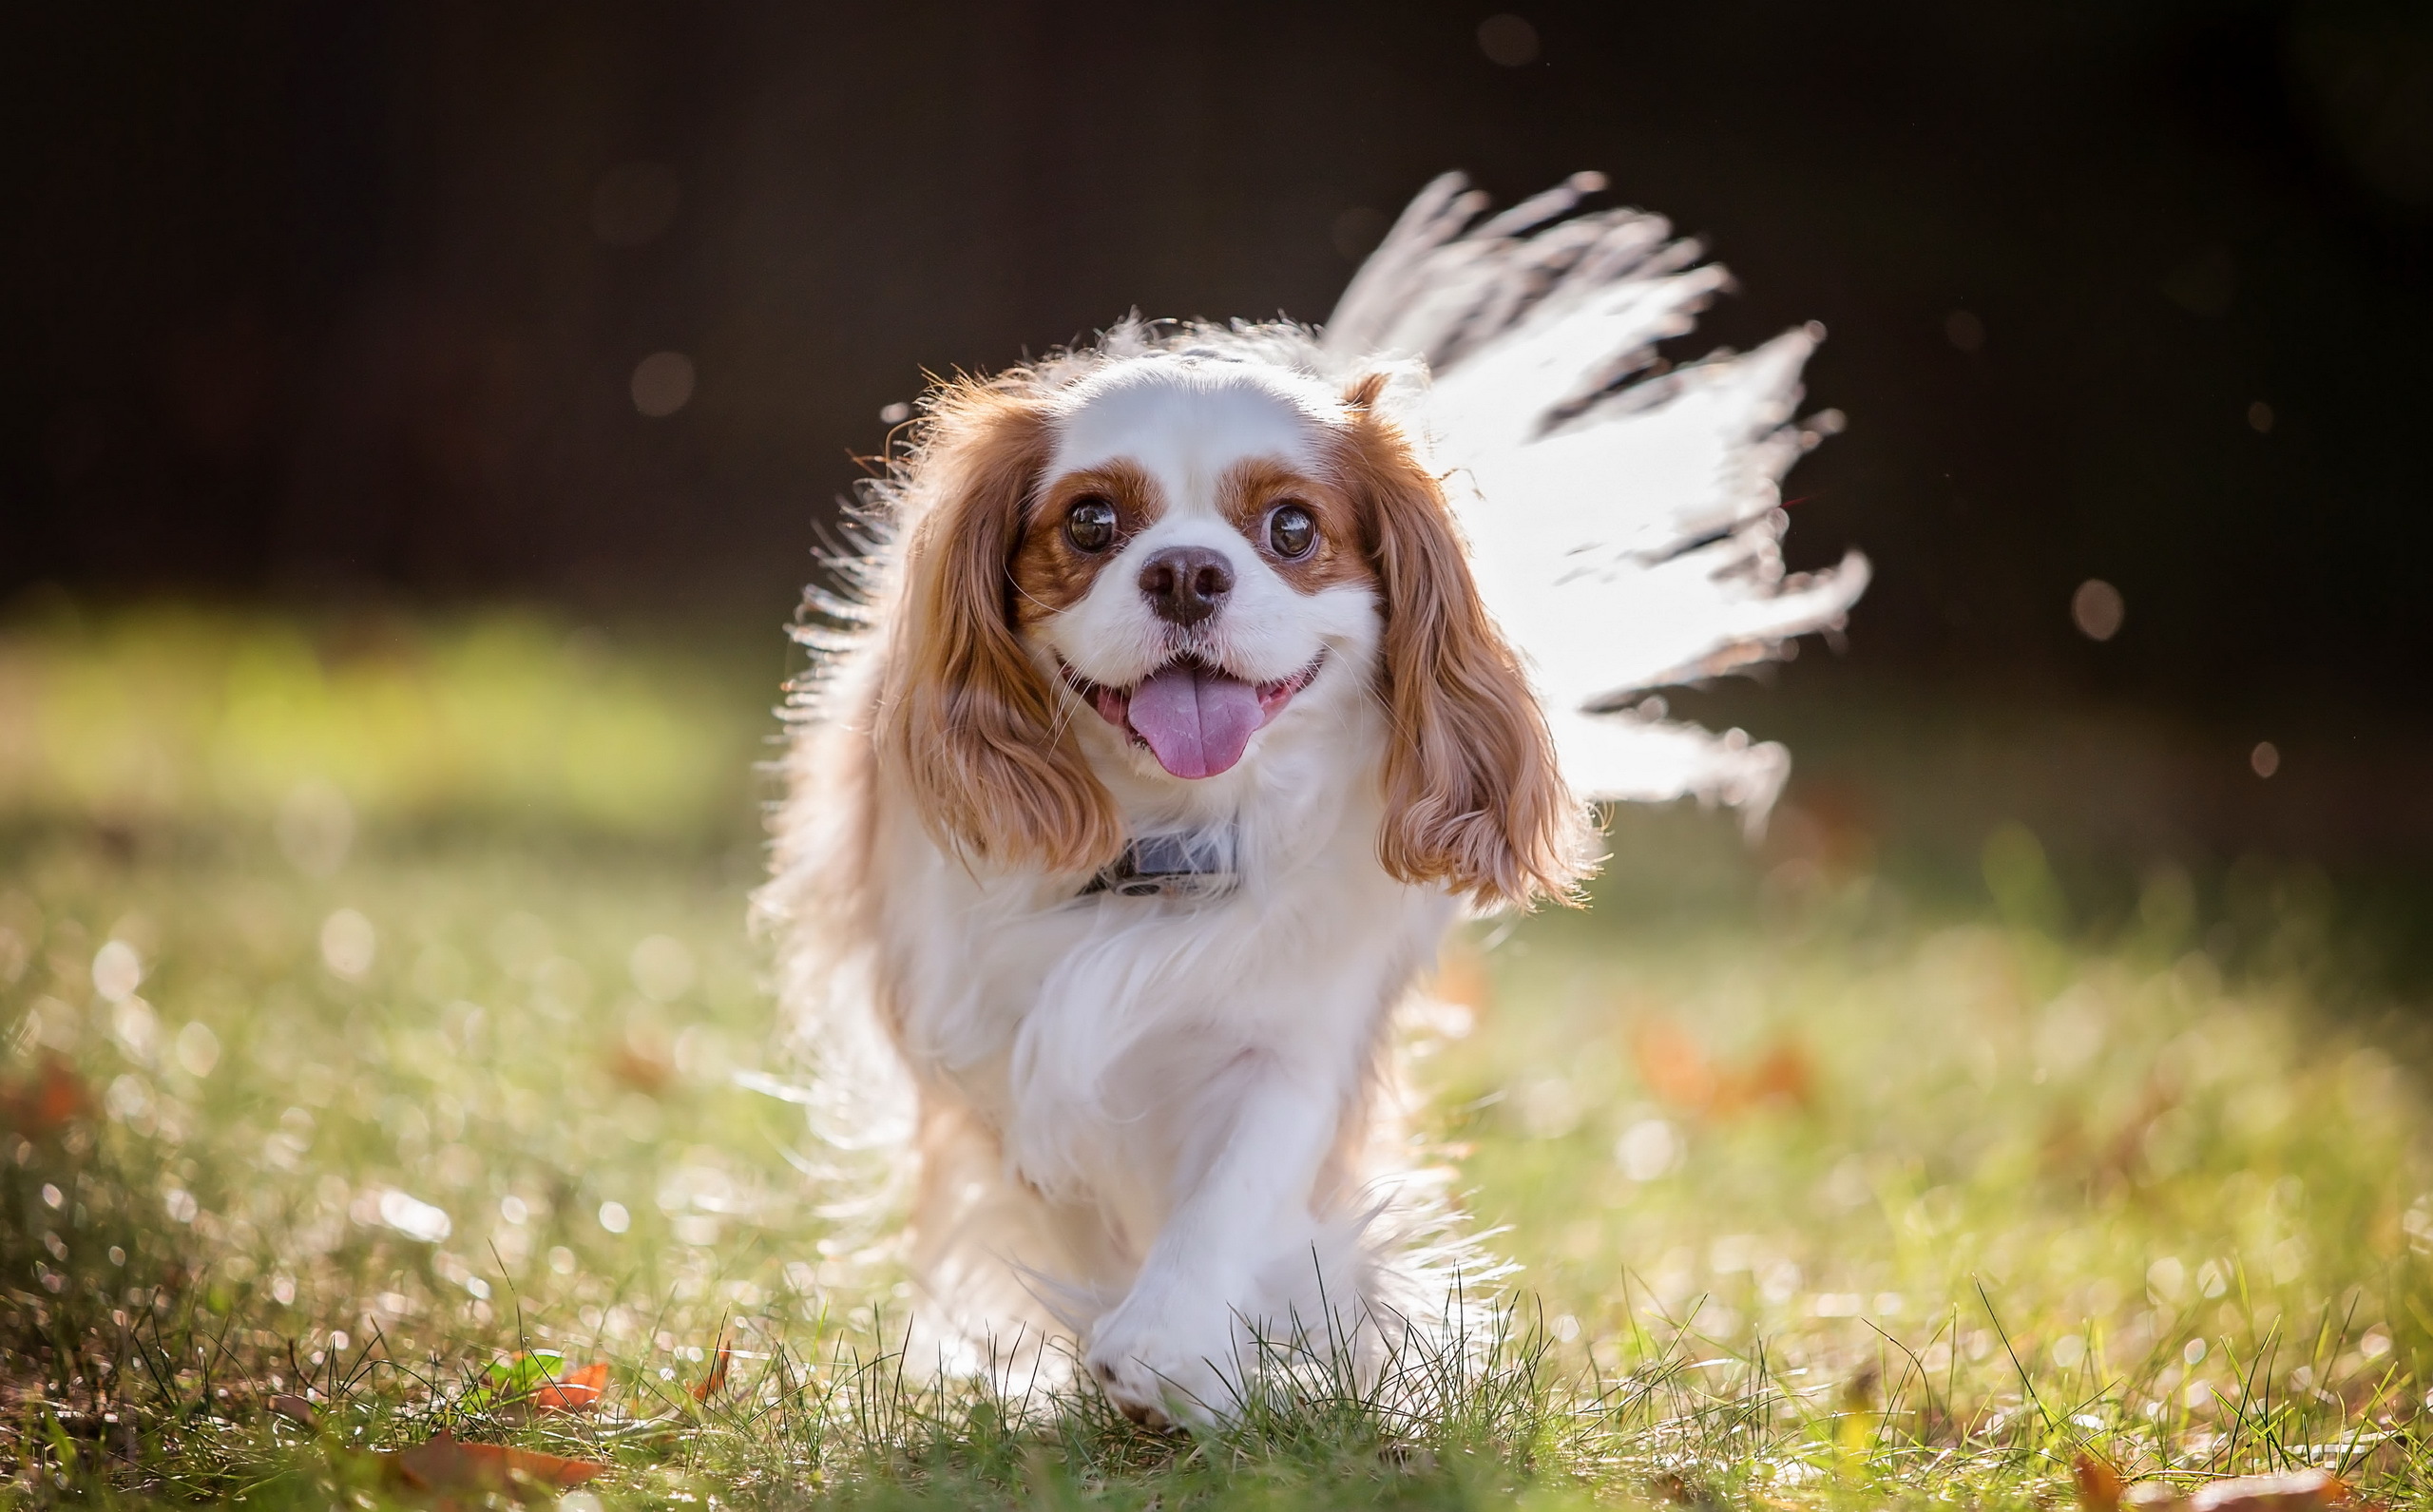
1091	524
1291	530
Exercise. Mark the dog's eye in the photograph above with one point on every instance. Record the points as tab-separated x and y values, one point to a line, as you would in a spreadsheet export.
1091	524
1291	530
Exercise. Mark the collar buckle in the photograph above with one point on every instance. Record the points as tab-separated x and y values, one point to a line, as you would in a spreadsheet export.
1193	864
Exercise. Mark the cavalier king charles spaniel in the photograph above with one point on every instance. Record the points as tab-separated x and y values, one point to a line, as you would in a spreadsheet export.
1178	739
1165	733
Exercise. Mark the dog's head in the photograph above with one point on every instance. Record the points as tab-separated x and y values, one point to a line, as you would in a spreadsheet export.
1183	548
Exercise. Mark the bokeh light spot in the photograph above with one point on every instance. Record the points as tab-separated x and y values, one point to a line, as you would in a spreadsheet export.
117	971
198	1049
413	1217
348	944
2259	418
614	1217
1508	39
1964	330
136	1028
1648	1150
2097	609
662	384
2265	760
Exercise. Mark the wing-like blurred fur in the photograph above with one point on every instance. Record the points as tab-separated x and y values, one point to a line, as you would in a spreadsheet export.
1625	523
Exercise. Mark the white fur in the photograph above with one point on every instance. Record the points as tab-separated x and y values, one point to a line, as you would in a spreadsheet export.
1139	1095
1127	1112
1185	423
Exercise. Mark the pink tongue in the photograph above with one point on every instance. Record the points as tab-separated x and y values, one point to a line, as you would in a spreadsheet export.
1195	720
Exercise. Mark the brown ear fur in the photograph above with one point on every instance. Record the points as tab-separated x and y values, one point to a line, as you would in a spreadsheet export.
964	714
1474	797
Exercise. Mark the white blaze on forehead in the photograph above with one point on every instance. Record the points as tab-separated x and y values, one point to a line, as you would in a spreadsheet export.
1186	422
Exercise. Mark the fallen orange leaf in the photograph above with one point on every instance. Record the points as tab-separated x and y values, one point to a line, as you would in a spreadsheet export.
641	1065
444	1463
2295	1491
2100	1484
1671	1064
1782	1075
576	1391
2291	1491
715	1382
52	1096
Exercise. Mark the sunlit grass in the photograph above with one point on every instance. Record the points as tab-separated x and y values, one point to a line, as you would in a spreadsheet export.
178	716
1827	1189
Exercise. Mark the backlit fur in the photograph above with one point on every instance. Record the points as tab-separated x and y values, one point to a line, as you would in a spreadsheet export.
1156	1127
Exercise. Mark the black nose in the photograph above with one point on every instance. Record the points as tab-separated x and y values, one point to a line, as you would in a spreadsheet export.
1186	584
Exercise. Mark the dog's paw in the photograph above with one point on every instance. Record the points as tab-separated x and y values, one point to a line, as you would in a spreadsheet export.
1161	1363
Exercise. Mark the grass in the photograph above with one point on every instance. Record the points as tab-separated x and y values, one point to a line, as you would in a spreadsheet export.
368	1032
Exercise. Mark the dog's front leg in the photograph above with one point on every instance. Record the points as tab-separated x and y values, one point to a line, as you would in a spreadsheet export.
1243	1190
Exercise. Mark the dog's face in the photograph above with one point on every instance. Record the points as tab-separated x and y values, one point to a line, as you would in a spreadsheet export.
1193	561
1188	547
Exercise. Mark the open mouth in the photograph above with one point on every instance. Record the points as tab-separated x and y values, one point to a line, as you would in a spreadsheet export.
1193	718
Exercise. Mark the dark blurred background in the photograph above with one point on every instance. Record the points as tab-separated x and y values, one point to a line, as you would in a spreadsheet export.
596	303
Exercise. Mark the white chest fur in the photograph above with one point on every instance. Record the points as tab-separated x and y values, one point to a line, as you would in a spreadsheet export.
1089	1030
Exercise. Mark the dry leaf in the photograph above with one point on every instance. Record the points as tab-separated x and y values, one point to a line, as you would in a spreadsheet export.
715	1382
2292	1491
288	1405
576	1391
641	1064
53	1094
446	1465
2099	1484
1782	1075
1671	1064
2295	1491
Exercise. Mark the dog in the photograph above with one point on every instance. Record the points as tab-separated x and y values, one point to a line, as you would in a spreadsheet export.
1163	736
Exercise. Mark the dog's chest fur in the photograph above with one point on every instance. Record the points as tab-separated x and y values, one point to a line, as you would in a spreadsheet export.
1082	1026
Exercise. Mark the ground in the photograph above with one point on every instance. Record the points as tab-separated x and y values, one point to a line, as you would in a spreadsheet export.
387	1057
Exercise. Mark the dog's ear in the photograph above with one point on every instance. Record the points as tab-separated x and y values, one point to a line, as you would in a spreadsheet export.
1474	796
964	714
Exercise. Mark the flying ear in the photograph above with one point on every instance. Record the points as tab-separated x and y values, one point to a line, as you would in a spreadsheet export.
1474	796
964	714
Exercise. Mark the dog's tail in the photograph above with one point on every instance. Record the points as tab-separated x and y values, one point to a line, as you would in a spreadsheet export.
1625	514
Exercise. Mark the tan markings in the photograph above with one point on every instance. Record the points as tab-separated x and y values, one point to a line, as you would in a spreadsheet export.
962	714
1250	491
1049	574
1474	798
